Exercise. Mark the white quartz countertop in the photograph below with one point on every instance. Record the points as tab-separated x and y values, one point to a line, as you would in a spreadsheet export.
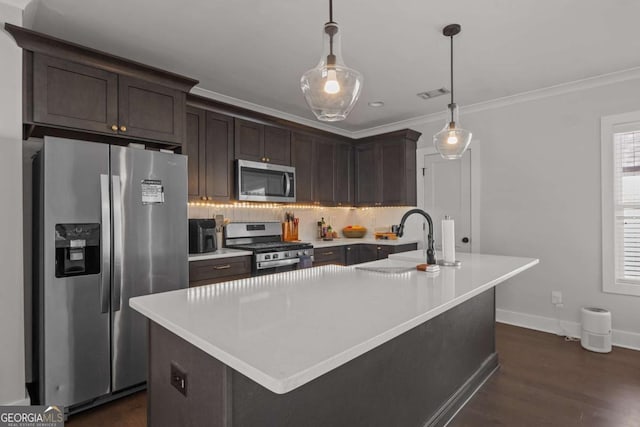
284	330
220	253
344	241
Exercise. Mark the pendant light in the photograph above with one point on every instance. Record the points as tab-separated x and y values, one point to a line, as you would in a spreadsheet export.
331	88
452	141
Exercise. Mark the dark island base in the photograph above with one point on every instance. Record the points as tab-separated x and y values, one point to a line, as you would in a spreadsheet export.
420	378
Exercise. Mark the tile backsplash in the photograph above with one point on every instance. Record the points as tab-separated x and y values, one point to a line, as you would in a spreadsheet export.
372	218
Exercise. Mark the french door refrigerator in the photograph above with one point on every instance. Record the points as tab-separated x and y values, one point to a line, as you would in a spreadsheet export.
110	224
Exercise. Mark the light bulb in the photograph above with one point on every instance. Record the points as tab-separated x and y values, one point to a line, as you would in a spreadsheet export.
452	139
331	86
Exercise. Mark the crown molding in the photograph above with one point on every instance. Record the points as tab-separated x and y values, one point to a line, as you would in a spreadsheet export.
20	4
564	88
269	111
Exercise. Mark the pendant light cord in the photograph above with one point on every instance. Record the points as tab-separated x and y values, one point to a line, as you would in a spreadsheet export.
330	10
332	33
451	105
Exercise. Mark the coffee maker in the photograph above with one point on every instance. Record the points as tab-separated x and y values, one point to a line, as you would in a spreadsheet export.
202	236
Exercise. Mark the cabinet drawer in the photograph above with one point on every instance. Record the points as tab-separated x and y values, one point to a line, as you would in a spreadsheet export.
219	270
328	255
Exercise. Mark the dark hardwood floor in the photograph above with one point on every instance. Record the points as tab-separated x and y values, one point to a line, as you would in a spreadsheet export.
543	381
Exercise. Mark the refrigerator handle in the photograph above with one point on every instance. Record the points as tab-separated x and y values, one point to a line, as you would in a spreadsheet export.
117	242
105	243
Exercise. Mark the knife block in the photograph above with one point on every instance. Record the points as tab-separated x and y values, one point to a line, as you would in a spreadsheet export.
289	231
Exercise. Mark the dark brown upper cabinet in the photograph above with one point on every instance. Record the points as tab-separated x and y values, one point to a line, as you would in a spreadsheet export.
91	99
150	111
385	170
324	170
302	151
324	166
343	183
367	160
73	95
209	149
262	143
74	91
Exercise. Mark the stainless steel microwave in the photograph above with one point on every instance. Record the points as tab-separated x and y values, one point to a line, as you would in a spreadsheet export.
265	182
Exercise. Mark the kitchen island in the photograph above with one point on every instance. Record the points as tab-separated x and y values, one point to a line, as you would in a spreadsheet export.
327	346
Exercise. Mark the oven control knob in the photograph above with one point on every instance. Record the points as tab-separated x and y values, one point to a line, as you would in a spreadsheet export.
300	253
275	256
267	257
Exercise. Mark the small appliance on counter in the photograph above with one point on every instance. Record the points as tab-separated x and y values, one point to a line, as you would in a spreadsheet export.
202	236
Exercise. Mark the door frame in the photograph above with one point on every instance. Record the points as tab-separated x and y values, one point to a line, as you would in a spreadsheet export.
474	149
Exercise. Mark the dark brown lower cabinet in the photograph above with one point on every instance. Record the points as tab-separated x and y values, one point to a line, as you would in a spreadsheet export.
328	255
352	254
218	270
357	253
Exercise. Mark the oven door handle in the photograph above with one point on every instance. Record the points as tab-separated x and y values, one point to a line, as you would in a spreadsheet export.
287	184
279	263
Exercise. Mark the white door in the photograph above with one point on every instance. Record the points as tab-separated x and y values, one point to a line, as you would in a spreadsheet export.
447	191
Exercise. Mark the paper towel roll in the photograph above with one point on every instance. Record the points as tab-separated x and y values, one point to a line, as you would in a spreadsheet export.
448	240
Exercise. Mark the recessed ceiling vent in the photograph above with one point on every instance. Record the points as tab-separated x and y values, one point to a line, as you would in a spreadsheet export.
433	93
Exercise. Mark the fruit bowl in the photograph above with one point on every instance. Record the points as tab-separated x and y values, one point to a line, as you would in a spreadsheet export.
354	231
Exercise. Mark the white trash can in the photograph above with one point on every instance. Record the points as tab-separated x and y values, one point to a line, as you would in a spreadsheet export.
596	329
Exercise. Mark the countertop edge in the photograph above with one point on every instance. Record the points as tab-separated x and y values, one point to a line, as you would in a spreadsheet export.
219	254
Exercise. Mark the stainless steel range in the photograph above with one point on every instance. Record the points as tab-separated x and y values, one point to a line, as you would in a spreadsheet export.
270	253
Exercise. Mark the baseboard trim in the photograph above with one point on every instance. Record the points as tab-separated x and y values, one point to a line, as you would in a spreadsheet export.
460	398
22	402
625	339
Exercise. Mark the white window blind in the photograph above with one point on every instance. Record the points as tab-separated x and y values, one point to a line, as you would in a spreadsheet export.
627	205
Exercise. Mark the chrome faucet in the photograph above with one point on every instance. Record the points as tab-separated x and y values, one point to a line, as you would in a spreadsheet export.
431	257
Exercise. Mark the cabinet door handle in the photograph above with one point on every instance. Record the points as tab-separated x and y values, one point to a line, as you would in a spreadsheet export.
264	159
348	249
114	128
327	253
203	198
222	267
268	160
123	128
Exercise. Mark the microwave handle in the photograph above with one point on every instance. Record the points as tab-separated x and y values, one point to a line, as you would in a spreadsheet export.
287	184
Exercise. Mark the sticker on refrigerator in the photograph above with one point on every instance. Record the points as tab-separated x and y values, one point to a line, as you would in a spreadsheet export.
152	192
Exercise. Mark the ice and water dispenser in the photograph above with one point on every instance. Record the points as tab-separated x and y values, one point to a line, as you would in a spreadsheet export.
77	249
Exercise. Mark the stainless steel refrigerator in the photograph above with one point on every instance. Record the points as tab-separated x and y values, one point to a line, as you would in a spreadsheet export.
110	224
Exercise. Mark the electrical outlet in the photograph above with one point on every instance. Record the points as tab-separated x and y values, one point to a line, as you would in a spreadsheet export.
556	297
178	378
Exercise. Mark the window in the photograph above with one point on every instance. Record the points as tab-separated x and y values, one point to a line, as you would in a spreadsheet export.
621	203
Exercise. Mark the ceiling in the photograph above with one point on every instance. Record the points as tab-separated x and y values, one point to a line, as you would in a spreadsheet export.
255	51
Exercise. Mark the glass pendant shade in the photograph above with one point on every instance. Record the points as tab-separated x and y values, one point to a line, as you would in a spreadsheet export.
452	141
331	89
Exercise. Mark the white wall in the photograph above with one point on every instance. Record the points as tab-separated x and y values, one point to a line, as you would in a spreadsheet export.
12	375
540	197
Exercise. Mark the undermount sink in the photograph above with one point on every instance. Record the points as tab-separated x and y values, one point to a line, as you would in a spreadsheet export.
387	270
